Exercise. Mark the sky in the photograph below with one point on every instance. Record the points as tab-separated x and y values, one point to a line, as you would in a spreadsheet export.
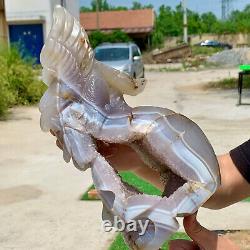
195	5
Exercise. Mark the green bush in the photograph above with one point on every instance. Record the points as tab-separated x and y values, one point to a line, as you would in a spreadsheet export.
19	80
97	37
229	83
7	98
205	51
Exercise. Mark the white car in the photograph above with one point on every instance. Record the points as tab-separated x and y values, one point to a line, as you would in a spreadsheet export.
125	57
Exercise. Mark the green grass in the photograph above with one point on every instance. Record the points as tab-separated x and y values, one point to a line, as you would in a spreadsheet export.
166	69
140	184
229	83
247	200
132	180
85	195
119	244
205	51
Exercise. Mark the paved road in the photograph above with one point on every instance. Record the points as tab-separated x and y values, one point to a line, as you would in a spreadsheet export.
39	193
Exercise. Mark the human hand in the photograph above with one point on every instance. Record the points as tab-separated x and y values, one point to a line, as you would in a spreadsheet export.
202	239
59	141
233	187
121	157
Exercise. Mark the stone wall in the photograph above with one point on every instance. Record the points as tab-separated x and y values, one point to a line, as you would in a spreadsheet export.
237	40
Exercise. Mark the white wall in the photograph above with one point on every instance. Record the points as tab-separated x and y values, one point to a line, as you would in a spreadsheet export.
37	11
72	6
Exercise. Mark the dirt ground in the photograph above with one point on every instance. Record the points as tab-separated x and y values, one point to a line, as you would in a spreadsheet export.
215	111
39	193
242	239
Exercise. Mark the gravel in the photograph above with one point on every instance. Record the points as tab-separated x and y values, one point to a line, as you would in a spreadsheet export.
231	57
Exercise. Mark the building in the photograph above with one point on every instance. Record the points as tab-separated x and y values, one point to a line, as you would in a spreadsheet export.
29	21
138	24
3	23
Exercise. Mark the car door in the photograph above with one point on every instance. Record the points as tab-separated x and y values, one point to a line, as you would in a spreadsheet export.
140	64
136	62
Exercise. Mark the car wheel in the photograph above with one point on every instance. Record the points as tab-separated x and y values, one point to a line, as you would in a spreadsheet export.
143	74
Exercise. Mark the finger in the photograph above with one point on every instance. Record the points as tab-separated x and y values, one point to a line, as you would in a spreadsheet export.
206	239
225	243
183	245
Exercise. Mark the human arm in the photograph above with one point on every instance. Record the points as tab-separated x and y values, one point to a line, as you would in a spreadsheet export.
235	178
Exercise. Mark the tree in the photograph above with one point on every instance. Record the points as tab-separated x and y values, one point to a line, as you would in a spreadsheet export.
247	9
102	5
194	23
85	9
138	6
98	37
208	22
169	22
119	8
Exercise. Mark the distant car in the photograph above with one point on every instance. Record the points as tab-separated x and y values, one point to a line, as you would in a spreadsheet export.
125	57
216	44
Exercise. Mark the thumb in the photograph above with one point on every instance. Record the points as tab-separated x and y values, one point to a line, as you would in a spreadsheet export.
206	239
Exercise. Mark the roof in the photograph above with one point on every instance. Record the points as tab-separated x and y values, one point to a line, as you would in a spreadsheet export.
130	21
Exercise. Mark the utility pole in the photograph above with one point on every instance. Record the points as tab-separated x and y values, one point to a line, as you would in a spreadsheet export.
226	7
185	23
97	15
223	9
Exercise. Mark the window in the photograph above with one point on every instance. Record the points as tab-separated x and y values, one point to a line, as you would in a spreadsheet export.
112	54
135	51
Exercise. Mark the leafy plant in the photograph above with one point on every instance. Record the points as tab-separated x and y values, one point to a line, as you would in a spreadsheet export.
98	37
229	83
103	5
7	98
205	51
19	80
169	23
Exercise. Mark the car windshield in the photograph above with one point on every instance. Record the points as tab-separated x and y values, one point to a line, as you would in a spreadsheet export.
112	54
